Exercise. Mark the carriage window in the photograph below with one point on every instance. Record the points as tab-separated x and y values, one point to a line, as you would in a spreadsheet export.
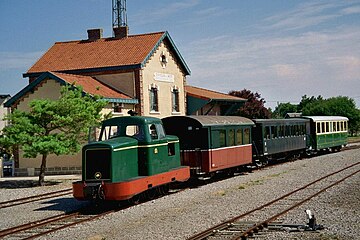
318	127
334	127
282	131
327	126
247	136
346	126
239	140
323	129
222	138
231	137
287	131
272	131
267	132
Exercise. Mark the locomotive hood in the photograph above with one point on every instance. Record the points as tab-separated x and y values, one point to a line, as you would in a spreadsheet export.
113	144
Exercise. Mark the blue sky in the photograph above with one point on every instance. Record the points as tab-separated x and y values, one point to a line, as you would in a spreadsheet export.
281	49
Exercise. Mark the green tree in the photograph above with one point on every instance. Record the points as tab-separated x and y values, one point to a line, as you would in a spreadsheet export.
283	108
335	106
305	100
53	126
254	107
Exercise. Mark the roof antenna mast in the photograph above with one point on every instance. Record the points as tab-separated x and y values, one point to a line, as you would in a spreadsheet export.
119	17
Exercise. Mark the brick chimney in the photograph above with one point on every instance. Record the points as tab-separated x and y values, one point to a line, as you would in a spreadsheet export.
94	34
121	32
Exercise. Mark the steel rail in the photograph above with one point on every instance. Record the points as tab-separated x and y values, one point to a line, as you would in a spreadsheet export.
76	217
66	225
265	223
227	223
30	225
35	198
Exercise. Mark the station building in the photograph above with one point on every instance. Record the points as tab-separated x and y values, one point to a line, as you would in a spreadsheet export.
144	73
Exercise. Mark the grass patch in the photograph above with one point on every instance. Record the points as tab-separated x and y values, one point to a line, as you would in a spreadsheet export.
220	193
251	183
354	139
277	174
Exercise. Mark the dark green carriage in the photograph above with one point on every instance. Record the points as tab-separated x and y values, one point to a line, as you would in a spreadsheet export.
279	138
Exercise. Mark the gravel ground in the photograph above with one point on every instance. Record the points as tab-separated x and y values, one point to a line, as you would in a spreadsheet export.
183	214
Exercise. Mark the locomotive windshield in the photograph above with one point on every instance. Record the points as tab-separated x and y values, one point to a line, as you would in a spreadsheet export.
141	132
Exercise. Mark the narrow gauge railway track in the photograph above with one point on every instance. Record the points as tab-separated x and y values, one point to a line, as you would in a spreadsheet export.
248	224
48	225
35	198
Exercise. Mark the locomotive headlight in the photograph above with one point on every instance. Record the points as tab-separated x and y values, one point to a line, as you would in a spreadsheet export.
97	175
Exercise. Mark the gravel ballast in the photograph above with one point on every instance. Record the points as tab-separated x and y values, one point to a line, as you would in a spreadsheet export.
183	214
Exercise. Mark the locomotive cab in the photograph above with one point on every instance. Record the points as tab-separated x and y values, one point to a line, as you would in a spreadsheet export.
132	155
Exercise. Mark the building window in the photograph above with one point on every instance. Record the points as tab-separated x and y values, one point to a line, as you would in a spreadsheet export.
175	100
154	101
118	107
163	59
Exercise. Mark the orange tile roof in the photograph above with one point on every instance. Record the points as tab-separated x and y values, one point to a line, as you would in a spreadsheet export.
91	85
209	94
105	52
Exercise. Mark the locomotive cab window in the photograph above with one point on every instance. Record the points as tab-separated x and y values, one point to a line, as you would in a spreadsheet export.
135	131
156	131
171	149
109	132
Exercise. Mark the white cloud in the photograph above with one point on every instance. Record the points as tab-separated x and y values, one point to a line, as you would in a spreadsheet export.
351	10
283	68
16	60
310	14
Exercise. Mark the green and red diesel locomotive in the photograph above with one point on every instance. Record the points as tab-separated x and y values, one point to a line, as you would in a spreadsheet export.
133	155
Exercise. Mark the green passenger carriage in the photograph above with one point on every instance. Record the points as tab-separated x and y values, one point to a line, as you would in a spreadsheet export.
328	132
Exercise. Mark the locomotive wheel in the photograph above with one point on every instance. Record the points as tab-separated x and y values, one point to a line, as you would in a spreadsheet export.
151	193
135	199
164	189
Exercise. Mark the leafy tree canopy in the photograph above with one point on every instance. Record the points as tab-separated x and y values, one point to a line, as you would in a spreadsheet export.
254	107
283	108
53	126
335	106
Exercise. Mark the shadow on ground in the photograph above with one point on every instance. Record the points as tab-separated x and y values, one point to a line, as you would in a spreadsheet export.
64	204
12	184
